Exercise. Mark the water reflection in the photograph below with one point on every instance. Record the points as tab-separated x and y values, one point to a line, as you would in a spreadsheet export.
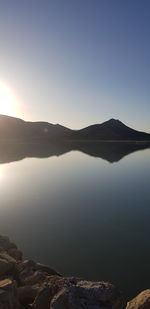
82	216
110	151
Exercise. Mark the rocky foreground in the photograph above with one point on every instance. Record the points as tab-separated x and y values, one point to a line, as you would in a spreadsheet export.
27	284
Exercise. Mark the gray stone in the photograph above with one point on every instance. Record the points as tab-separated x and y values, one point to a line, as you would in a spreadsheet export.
37	277
44	268
31	272
72	293
8	295
15	253
5	256
141	301
6	244
5	267
44	288
27	294
42	300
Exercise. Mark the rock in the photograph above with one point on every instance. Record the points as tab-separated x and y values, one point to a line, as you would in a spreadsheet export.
31	272
5	267
37	277
41	287
10	248
8	295
46	269
61	300
42	301
73	293
141	301
7	263
15	253
5	243
5	256
27	294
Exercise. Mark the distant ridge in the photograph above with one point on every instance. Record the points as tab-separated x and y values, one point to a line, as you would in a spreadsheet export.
14	128
112	129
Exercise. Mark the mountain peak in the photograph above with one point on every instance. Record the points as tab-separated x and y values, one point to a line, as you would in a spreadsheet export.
112	120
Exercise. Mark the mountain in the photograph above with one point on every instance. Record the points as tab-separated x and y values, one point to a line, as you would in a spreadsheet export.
112	130
17	129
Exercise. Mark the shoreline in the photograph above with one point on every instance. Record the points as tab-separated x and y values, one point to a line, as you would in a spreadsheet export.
59	141
28	284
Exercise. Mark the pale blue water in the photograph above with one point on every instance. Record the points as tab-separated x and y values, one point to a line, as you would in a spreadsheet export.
82	215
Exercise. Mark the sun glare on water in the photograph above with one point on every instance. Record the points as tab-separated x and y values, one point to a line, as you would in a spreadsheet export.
8	101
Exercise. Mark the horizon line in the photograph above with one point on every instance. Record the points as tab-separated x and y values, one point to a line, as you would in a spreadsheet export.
55	124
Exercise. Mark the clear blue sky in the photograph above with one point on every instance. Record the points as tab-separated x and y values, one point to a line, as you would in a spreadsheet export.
77	62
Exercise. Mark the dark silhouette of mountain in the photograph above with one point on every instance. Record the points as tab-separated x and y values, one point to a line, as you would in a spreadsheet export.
16	129
112	130
110	151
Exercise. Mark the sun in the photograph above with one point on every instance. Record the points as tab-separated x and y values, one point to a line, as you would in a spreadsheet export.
8	101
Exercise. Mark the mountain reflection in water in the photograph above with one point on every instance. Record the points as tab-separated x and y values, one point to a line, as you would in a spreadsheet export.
111	151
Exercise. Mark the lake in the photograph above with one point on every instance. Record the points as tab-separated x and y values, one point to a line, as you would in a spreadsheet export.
83	215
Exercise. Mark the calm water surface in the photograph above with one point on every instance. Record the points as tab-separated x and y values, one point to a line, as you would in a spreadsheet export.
82	215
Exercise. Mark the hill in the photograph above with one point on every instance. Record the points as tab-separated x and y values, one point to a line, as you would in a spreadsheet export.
14	128
112	130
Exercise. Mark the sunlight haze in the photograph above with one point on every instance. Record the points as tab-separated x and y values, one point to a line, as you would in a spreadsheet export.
8	101
76	62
